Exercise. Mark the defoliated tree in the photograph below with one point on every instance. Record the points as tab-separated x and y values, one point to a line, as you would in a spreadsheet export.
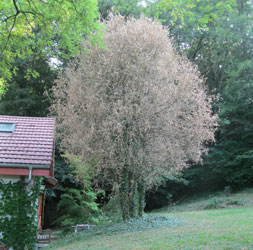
136	110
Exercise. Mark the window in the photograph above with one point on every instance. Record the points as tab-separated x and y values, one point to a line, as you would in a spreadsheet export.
7	127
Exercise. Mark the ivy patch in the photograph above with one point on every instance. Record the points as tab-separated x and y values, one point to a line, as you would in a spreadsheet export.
18	214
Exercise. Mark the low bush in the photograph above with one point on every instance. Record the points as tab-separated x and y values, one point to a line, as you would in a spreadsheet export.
217	203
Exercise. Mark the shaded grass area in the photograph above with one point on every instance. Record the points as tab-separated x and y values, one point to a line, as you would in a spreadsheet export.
213	201
148	222
227	228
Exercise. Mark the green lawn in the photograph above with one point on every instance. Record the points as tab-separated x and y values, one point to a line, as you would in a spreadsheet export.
227	228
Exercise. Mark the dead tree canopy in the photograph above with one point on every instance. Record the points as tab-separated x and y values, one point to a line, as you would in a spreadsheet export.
135	107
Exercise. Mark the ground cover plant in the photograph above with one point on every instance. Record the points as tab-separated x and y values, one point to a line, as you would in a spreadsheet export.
227	228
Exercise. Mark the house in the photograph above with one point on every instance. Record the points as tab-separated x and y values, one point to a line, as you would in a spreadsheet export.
27	151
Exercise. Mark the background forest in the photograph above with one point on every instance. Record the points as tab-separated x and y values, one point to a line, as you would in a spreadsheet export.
215	35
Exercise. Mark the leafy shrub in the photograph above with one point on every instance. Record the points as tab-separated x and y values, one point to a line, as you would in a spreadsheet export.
78	207
230	202
111	210
217	203
213	204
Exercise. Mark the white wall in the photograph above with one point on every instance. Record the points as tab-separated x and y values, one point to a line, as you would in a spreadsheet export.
8	178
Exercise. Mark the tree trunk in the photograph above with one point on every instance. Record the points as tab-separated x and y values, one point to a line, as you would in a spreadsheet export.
123	195
133	197
141	196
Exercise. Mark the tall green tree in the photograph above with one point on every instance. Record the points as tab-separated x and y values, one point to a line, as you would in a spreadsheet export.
53	28
217	36
29	96
202	30
232	156
127	8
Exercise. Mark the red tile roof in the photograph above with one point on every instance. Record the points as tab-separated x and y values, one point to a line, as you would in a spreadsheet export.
31	142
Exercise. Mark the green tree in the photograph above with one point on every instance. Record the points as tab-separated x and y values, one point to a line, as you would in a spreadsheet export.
29	96
202	30
126	8
78	206
231	56
53	28
221	46
232	156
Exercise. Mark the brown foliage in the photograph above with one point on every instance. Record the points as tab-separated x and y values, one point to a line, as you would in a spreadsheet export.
136	105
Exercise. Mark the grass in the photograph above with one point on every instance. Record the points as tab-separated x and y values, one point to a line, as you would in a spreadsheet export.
227	228
216	200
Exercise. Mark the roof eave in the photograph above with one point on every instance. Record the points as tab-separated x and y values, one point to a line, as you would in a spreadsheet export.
15	165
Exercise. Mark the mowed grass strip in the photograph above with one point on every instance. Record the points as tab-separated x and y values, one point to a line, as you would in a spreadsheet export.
208	229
